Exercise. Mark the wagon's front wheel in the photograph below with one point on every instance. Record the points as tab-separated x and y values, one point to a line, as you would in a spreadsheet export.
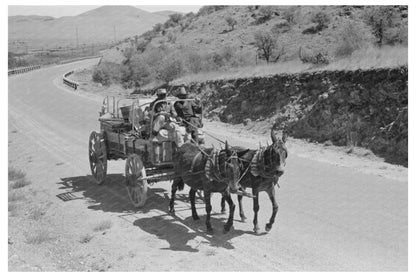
98	157
136	186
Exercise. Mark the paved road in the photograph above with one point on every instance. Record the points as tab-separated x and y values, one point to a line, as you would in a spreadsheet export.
330	218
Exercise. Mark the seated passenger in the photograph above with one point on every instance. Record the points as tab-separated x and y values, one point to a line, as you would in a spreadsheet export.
188	110
163	120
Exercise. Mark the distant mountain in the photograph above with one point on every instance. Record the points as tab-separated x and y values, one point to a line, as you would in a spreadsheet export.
166	13
101	25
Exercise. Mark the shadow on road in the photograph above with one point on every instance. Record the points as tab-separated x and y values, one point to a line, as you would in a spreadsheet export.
154	217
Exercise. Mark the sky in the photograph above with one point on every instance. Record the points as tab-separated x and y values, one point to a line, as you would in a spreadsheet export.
59	11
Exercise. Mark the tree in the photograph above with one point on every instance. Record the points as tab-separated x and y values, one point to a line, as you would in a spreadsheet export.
231	22
265	44
379	18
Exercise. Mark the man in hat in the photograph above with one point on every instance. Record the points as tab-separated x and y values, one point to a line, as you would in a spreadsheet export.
188	110
163	113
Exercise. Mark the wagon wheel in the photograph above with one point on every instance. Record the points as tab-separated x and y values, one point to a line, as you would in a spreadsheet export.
97	157
136	187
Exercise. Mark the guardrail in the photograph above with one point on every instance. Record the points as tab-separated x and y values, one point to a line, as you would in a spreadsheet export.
20	70
68	81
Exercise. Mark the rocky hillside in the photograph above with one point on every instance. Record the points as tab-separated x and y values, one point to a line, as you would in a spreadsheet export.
95	26
219	38
367	108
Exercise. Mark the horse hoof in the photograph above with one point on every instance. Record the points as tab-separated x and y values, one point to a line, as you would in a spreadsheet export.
243	218
256	230
195	217
210	231
223	211
227	228
268	227
172	211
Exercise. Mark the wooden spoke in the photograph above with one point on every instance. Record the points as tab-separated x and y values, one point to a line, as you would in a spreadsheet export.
97	157
136	187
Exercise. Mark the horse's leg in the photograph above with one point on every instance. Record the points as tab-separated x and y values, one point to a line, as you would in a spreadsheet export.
172	197
208	209
256	208
271	193
230	220
192	198
223	210
240	208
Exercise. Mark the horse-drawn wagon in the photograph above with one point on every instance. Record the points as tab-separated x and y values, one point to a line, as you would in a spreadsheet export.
126	133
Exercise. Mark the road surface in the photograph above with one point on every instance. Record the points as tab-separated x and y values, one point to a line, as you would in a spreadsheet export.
331	218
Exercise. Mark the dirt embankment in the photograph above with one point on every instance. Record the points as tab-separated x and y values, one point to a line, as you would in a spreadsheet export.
365	108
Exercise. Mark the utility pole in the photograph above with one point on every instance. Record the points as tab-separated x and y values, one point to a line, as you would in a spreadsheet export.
76	31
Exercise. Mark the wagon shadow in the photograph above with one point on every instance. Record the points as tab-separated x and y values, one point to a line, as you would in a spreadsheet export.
182	233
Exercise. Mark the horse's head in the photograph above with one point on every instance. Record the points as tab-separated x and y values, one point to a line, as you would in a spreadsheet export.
277	153
230	167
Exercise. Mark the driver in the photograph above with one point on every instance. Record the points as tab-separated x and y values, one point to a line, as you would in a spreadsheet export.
164	128
188	110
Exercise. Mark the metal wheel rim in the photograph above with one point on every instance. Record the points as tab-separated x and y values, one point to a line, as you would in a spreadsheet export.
97	157
137	190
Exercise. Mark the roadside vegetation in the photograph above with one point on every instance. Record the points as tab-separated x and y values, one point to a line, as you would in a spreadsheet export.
242	41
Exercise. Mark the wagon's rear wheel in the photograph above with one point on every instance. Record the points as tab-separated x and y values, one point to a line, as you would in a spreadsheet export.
136	187
98	157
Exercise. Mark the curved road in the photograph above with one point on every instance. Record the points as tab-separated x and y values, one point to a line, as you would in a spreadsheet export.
330	218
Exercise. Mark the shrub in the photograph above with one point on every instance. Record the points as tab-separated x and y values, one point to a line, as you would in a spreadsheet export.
106	73
265	13
351	37
194	62
103	225
289	15
15	174
379	18
231	22
280	27
205	10
158	28
321	18
170	69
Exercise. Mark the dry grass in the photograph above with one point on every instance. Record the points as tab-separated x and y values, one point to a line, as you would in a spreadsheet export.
17	178
389	57
19	183
39	237
37	213
86	238
103	225
15	174
16	196
360	59
290	67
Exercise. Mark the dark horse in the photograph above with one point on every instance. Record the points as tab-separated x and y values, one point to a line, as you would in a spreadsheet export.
261	170
210	171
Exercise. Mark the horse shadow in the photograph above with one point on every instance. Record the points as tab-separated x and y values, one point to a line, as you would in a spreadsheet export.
180	230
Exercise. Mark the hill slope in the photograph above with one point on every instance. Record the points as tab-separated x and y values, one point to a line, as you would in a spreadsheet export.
218	38
101	25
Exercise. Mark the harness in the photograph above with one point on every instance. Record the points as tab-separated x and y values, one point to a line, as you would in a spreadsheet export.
213	168
258	165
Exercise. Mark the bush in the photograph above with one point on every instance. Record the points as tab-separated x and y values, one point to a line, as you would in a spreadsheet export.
321	18
169	69
379	18
231	22
289	15
351	37
106	73
194	62
205	10
265	14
